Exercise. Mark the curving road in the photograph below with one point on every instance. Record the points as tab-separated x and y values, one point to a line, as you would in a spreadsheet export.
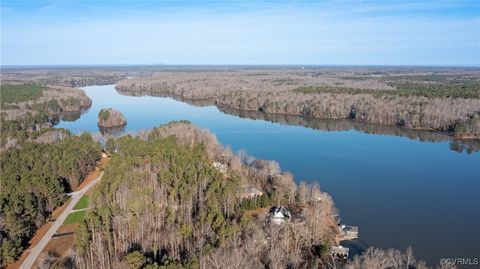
37	250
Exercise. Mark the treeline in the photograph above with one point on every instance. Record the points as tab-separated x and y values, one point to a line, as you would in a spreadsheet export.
35	178
96	80
460	117
448	106
66	77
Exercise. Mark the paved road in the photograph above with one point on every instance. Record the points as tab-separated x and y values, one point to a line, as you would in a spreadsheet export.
37	250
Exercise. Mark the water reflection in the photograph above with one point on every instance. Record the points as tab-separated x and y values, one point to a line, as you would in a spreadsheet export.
468	146
71	115
193	102
112	131
458	145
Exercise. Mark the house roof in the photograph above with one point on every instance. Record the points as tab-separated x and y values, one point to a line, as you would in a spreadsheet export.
280	211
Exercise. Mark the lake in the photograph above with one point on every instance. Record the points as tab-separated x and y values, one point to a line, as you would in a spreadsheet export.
400	187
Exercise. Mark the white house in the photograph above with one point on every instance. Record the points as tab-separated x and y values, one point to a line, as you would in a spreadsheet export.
279	214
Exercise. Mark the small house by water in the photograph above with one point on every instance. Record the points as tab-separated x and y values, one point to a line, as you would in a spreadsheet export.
279	214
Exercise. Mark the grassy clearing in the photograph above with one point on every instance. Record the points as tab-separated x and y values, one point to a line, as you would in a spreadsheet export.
83	203
75	217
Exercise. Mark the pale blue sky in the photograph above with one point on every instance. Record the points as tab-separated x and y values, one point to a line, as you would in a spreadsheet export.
247	32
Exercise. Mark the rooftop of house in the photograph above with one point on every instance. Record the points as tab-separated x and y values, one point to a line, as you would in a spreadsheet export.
280	212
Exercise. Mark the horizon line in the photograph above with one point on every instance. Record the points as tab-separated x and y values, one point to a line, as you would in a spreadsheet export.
2	66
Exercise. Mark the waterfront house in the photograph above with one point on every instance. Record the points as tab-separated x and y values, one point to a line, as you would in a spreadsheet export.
279	214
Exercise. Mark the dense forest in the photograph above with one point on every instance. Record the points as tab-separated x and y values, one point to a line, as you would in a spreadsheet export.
445	100
35	178
10	94
38	163
162	202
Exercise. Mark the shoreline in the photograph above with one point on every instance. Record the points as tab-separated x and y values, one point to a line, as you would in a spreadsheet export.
213	101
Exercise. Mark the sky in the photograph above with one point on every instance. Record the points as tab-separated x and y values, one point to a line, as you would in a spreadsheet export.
146	32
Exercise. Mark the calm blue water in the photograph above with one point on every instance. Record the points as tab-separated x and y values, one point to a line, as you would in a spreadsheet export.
400	192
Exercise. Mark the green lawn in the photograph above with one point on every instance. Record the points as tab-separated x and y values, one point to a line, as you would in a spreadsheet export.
75	217
83	203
